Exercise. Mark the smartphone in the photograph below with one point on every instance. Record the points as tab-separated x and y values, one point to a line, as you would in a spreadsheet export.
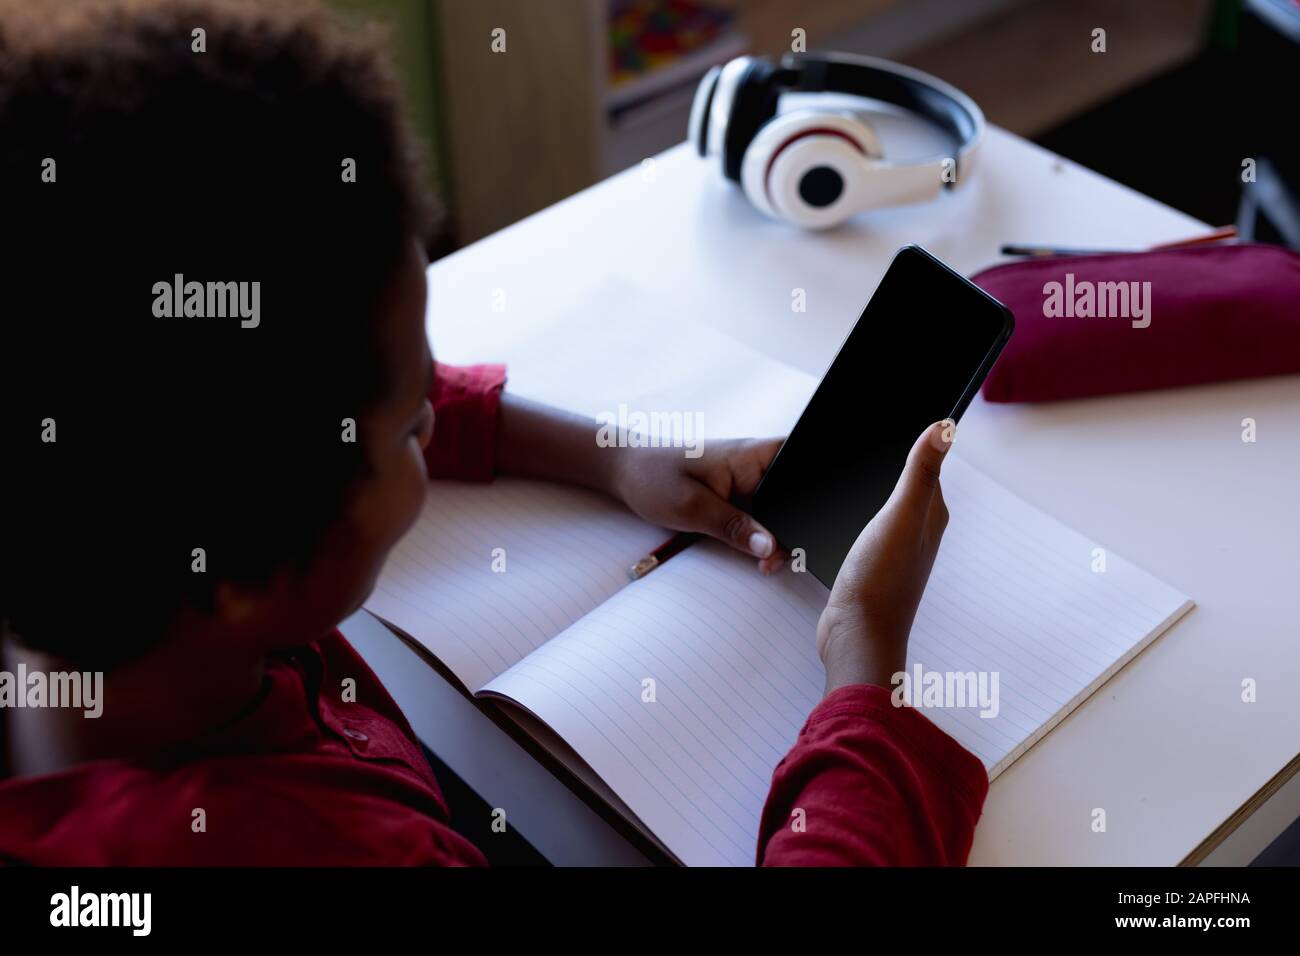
918	353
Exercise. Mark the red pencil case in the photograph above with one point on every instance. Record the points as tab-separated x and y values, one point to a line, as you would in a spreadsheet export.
1097	325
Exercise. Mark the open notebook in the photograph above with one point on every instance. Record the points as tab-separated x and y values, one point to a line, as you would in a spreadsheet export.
562	633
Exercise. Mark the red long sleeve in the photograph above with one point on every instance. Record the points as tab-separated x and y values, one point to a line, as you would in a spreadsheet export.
465	400
877	785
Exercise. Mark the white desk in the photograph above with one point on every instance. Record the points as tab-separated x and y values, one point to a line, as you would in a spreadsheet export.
1167	748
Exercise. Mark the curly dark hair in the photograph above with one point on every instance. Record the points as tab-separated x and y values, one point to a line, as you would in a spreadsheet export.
131	152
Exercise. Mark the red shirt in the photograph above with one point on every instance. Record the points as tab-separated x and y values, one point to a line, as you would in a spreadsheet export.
306	778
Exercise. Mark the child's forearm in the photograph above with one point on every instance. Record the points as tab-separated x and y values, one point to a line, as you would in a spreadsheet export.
538	441
663	485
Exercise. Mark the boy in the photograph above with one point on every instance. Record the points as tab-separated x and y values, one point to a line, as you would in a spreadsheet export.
219	408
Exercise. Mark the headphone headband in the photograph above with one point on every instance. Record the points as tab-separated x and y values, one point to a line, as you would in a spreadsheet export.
941	103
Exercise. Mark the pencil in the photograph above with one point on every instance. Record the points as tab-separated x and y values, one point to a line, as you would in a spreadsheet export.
659	555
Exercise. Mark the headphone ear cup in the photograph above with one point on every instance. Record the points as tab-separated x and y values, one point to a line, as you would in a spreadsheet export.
753	176
809	167
817	182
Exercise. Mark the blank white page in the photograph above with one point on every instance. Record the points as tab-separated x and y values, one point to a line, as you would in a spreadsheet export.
564	550
612	346
735	670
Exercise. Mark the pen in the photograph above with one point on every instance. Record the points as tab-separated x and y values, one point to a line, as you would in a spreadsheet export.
1216	235
662	553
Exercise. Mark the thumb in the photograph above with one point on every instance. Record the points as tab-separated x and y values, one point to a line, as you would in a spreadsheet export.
720	519
920	478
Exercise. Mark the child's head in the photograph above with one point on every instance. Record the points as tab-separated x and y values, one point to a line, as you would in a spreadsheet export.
163	467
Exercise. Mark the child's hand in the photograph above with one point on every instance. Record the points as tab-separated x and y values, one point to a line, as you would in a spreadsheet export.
862	634
694	494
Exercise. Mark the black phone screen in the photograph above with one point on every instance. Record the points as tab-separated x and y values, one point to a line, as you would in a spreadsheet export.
917	355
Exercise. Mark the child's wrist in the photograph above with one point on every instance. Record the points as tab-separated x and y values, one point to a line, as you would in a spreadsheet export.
852	655
612	474
602	471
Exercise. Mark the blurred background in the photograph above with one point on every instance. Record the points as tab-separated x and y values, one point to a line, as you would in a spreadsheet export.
1186	90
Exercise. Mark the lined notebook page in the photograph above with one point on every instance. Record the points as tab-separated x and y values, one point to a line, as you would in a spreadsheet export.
565	550
1015	592
735	674
735	670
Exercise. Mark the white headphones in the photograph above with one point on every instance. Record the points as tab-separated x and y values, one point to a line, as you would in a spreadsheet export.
817	167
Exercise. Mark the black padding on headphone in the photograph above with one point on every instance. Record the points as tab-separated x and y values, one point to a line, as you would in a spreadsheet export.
753	105
702	141
819	74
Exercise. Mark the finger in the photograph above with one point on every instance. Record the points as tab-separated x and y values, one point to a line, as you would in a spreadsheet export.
773	562
919	482
749	462
764	450
722	520
936	521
